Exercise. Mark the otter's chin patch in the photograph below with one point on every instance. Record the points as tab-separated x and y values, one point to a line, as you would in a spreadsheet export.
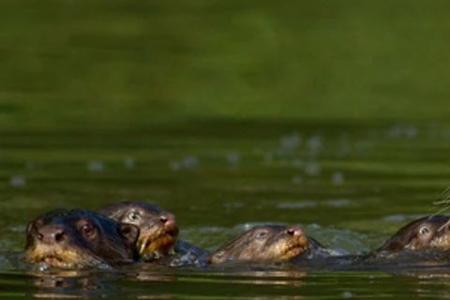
293	251
441	243
59	258
158	244
287	249
55	261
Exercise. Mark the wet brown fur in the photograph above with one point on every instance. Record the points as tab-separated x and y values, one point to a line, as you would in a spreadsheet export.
276	245
113	242
408	237
155	238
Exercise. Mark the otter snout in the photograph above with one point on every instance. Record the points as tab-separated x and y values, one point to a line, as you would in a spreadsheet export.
295	231
169	223
167	219
51	234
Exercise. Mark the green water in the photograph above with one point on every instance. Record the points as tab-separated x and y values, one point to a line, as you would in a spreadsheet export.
330	114
350	187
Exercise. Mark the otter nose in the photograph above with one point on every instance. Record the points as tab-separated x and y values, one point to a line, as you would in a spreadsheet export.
167	219
295	231
51	234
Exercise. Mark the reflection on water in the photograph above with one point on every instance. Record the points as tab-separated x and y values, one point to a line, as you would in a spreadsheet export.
143	279
239	284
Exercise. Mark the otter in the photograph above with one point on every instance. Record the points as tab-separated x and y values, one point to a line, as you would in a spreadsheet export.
158	233
73	239
158	229
267	243
427	233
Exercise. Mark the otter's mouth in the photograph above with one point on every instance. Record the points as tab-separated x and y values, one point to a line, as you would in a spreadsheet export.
157	243
53	260
295	248
61	259
441	243
57	262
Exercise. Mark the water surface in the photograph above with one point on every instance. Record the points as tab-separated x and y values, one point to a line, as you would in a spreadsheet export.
350	186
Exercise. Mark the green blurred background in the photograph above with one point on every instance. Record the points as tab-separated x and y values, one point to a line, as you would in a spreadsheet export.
132	64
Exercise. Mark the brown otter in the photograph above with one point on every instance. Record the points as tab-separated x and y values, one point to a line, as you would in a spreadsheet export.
79	238
273	243
158	229
432	232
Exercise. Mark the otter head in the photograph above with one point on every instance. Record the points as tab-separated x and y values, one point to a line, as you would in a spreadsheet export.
158	229
431	232
273	243
78	239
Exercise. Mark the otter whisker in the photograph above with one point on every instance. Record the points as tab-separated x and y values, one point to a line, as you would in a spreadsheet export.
445	201
446	224
143	245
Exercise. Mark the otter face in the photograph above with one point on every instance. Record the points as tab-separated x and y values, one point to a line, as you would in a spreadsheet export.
79	238
263	243
158	229
431	232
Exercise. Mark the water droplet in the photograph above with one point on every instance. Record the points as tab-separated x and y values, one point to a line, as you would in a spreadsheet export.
233	158
290	142
175	166
297	204
347	295
18	181
42	267
314	226
403	131
129	163
233	205
96	166
401	217
338	202
190	162
297	180
410	132
337	178
312	169
314	144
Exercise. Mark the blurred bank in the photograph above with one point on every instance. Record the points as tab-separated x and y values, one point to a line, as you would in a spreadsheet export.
84	64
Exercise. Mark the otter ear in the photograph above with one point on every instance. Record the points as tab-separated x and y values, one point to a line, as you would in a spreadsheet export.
129	232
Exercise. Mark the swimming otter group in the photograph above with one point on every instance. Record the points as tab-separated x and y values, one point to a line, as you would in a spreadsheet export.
130	232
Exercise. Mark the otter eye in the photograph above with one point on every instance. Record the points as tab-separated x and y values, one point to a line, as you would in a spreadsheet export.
424	230
261	234
88	230
134	216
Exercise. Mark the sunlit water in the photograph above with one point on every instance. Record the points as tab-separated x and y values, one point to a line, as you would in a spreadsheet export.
349	186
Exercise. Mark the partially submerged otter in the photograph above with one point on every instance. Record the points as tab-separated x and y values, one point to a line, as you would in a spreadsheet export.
158	229
427	233
79	238
268	243
158	232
